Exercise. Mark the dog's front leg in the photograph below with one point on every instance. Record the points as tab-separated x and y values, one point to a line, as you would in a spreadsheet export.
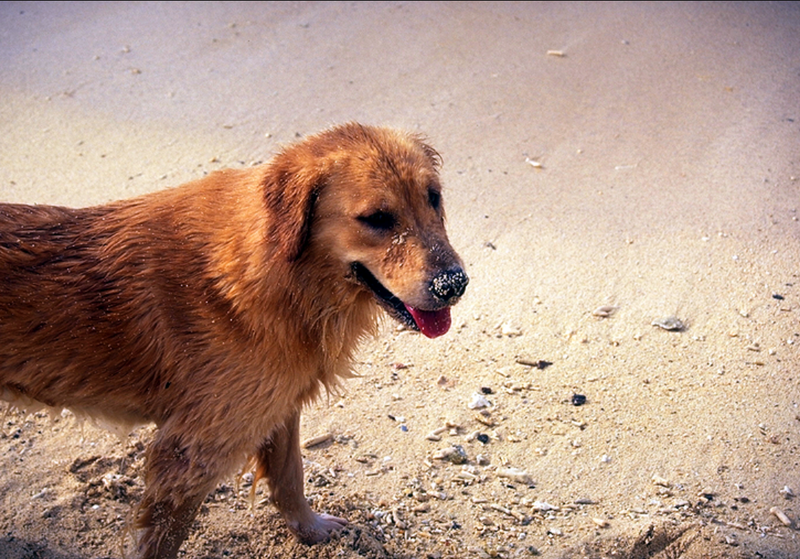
279	460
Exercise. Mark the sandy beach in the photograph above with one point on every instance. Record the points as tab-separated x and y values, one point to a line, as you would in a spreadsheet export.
610	168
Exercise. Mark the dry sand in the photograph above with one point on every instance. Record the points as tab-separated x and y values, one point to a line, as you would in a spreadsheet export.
652	169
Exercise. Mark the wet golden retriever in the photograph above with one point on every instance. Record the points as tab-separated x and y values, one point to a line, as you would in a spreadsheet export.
219	308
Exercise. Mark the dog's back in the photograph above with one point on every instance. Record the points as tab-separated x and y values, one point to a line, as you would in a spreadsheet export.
58	297
94	303
128	311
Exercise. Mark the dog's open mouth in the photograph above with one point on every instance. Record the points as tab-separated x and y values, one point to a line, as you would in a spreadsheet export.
431	323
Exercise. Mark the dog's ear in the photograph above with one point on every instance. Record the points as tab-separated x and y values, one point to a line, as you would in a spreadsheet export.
291	188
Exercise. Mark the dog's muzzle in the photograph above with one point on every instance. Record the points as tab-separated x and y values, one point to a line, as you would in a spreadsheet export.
448	286
445	288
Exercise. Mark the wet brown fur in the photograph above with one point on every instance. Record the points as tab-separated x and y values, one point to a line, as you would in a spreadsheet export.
217	310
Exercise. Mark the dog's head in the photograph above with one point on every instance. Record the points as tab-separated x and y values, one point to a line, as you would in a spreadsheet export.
371	200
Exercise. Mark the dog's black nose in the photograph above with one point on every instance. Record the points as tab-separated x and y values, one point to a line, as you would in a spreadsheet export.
449	285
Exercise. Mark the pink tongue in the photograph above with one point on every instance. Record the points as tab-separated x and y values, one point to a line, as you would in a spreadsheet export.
431	323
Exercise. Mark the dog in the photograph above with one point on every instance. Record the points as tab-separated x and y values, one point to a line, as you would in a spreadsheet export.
220	308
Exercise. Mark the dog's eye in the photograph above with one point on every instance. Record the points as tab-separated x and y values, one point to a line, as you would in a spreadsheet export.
434	198
378	220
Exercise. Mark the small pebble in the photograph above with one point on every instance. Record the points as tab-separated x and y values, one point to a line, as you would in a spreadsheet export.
578	399
707	494
787	492
454	454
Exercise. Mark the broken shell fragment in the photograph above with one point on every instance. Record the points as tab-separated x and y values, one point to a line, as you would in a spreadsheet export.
509	330
669	323
663	482
507	511
780	515
554	532
318	440
478	402
604	312
466	477
533	163
538	364
516	475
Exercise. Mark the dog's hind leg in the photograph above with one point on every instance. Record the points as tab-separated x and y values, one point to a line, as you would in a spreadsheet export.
177	481
279	460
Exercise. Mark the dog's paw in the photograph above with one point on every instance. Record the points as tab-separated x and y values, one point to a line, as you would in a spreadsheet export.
319	529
